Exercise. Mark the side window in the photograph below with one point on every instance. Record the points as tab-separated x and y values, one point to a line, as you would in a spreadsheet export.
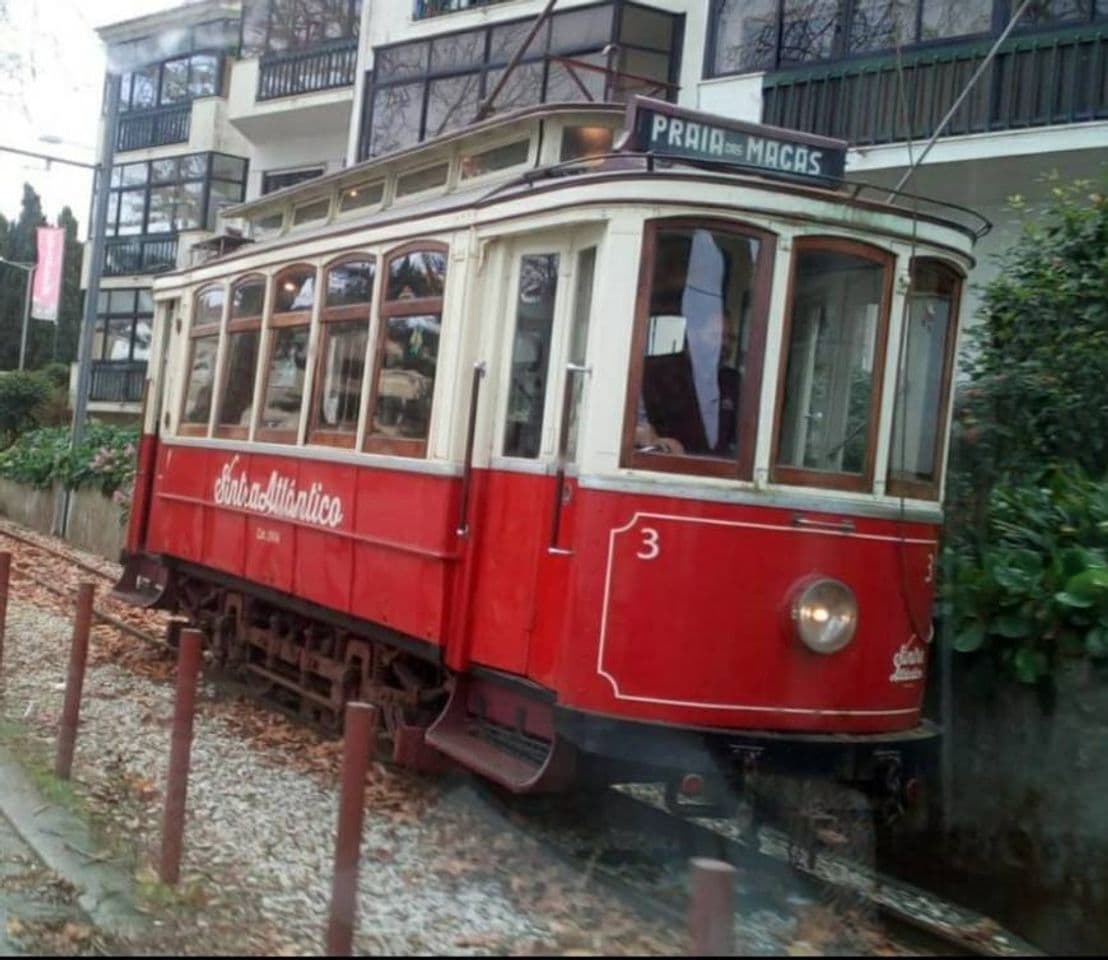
834	339
923	385
344	317
407	349
207	318
293	296
697	353
244	332
578	343
538	286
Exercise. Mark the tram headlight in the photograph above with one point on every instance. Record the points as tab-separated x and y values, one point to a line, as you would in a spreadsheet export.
825	613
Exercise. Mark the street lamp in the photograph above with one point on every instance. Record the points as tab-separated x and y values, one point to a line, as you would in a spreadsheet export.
29	269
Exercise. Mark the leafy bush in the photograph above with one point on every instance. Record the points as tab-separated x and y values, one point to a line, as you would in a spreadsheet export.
105	460
1035	588
22	394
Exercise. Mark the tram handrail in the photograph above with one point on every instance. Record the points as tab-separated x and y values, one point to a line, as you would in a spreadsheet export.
462	528
573	370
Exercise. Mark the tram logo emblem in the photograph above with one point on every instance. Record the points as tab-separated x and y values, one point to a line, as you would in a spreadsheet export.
908	662
278	498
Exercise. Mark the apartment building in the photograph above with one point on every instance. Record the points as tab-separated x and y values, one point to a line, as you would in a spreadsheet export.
223	101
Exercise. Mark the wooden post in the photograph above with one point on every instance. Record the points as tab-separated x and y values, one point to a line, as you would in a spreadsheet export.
74	682
5	577
712	908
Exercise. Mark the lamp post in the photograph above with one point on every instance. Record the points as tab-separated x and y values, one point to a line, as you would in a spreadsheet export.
29	269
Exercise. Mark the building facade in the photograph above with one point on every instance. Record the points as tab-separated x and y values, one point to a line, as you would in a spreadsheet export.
224	101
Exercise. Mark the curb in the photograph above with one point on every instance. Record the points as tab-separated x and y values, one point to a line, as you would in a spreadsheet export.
55	836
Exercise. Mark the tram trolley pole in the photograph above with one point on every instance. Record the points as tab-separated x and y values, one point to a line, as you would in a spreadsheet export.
180	749
357	747
712	908
5	579
74	681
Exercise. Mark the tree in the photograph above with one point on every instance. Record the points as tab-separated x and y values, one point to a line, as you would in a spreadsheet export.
19	245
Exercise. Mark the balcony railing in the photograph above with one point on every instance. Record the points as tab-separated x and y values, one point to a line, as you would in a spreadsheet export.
117	381
293	72
154	128
139	255
433	8
1034	81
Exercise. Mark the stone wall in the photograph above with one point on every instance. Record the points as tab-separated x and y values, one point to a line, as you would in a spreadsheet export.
95	522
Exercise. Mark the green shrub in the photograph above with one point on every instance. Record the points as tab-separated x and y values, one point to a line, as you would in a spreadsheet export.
22	394
105	460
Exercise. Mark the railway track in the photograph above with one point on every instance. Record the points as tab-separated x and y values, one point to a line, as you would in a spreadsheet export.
632	843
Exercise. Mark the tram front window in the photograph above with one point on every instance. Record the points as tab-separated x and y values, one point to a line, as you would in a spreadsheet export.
702	337
835	340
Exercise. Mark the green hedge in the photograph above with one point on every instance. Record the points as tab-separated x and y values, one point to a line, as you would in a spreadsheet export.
105	461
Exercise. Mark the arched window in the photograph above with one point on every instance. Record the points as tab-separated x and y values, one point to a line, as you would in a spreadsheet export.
407	349
829	397
926	352
287	364
344	319
207	317
244	332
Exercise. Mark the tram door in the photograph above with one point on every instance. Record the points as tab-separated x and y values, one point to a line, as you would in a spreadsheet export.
530	495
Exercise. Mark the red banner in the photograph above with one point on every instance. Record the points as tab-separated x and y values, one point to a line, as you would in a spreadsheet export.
47	291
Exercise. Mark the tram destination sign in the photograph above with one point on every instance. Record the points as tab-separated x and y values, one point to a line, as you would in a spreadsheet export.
664	130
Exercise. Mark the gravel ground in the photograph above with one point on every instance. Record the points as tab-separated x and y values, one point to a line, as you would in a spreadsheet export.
441	872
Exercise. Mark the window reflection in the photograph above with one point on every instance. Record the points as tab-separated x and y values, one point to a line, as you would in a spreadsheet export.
201	379
285	379
238	395
415	275
538	284
341	373
294	290
407	379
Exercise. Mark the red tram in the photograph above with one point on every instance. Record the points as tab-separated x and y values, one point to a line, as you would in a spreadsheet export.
578	440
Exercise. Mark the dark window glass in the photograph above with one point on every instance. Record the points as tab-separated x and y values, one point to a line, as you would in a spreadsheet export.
117	340
289	178
829	378
316	210
228	168
406	382
223	194
452	103
498	158
647	28
954	18
578	29
561	84
129	175
201	378
238	381
808	30
458	51
145	301
284	390
506	38
140	339
361	195
397	112
402	61
580	142
209	307
165	171
175	81
341	373
697	336
350	283
746	36
523	88
120	301
189	209
124	93
538	285
248	299
881	24
131	206
416	275
295	290
425	179
1046	12
162	206
203	75
144	88
194	166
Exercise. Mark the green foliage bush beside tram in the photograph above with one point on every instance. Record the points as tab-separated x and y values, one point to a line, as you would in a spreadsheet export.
105	461
1025	568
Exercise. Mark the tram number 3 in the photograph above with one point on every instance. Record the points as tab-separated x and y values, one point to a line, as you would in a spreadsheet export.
650	546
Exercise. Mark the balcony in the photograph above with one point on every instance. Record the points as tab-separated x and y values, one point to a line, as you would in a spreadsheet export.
135	255
1034	81
295	72
435	8
117	381
153	128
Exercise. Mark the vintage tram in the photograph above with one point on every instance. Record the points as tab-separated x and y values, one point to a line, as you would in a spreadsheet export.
582	440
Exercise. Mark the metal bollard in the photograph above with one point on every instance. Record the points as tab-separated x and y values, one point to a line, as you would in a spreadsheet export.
5	577
712	908
74	681
357	747
180	747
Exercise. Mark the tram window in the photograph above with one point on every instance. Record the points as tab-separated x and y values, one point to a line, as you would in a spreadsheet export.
578	341
700	332
926	356
345	334
293	295
361	195
538	286
420	180
240	366
309	212
498	158
294	290
583	142
835	344
267	226
203	348
407	351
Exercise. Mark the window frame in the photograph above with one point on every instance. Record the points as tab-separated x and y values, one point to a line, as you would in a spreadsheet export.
378	443
334	315
921	489
741	466
825	479
197	332
284	319
239	325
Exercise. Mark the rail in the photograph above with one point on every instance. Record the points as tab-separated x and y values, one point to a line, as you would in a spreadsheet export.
462	528
117	381
573	371
293	72
1035	80
139	255
154	128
